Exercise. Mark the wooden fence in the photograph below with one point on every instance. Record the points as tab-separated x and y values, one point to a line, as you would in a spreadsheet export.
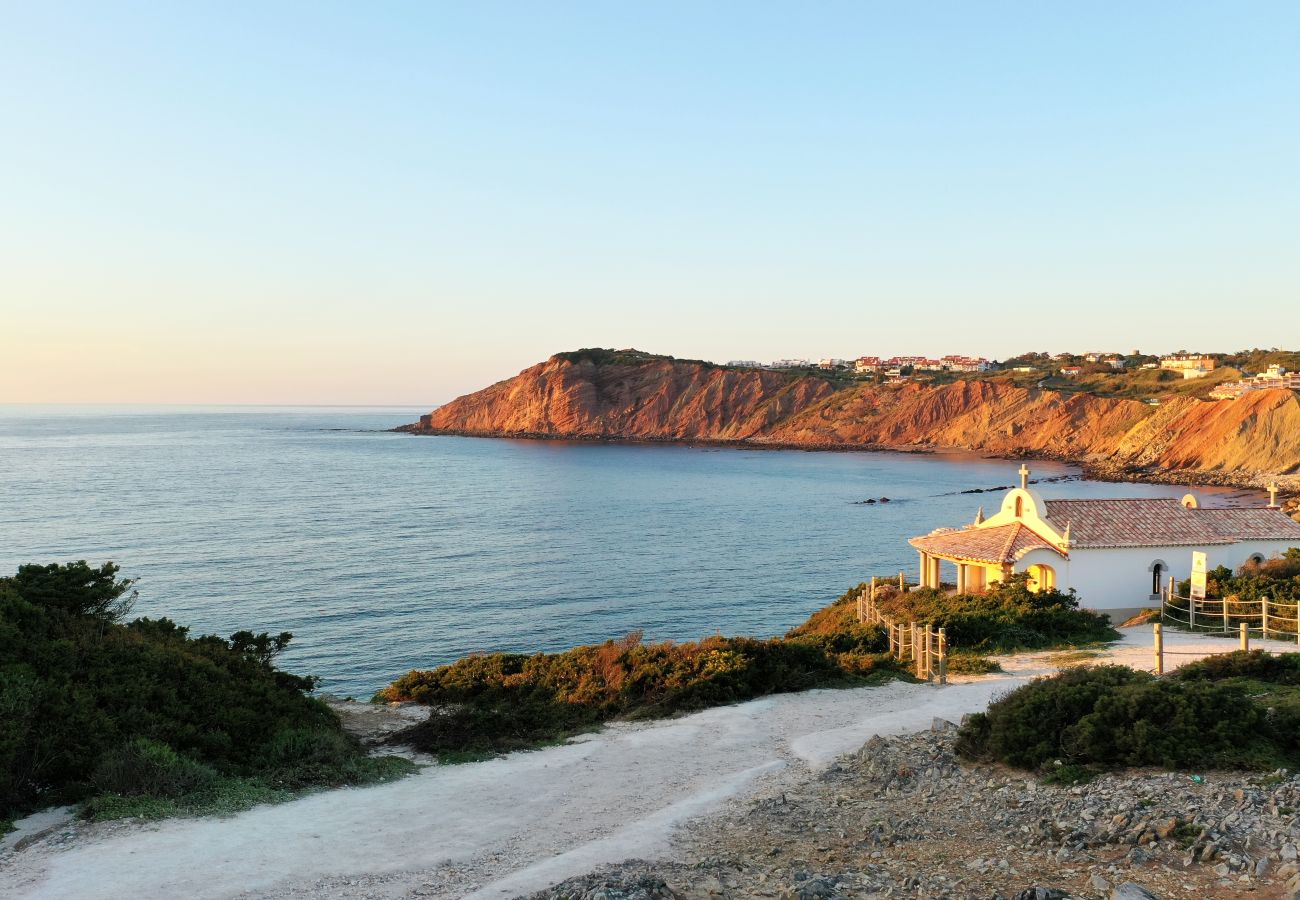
1265	617
1228	616
924	646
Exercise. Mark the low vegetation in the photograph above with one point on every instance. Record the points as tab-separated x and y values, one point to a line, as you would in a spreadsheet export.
507	701
1235	711
139	718
504	701
1276	579
1005	618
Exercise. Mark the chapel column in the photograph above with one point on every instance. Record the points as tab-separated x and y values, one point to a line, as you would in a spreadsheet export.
961	578
924	580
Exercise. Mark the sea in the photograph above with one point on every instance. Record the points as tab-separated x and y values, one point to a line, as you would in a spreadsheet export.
382	552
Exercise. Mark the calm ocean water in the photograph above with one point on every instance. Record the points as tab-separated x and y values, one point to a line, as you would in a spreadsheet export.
383	552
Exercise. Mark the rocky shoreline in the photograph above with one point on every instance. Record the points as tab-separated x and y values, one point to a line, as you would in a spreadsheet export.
1093	469
904	817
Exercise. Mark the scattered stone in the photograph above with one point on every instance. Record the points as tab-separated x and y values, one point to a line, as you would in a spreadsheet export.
1131	891
905	817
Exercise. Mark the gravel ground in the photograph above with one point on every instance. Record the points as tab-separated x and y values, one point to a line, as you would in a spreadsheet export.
903	817
657	791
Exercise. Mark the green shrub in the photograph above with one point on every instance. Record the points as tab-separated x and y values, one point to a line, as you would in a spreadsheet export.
506	701
1254	664
1111	716
147	768
142	715
1004	618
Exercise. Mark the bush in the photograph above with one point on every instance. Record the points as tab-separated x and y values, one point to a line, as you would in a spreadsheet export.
1004	618
507	701
1114	716
1254	664
147	768
144	716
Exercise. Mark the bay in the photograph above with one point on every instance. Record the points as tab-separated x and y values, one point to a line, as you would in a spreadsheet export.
383	552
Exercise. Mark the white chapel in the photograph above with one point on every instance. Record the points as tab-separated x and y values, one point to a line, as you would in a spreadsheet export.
1115	553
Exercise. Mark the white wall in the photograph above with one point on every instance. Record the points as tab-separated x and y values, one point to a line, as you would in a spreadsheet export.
1120	578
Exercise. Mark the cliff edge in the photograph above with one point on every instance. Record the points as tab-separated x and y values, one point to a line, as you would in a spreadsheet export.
629	395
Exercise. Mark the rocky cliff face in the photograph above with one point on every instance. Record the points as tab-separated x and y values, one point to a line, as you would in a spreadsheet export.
640	397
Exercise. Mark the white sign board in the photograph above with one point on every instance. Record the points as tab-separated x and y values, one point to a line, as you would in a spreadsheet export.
1198	576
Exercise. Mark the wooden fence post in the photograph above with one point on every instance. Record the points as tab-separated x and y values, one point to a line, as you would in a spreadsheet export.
943	657
1191	612
1264	618
902	583
1245	637
925	654
1160	650
1227	623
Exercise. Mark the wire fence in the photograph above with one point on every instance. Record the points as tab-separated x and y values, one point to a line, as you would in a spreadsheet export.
924	646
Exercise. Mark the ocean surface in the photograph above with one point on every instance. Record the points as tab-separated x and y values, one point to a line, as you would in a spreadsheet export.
384	552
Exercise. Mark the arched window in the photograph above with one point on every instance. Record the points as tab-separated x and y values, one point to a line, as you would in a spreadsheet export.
1157	577
1020	507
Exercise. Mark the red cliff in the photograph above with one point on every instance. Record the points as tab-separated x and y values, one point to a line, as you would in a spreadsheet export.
630	395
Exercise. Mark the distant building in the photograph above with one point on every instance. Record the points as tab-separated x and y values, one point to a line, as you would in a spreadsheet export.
1192	365
1071	371
746	364
830	363
865	365
1024	369
1274	378
1151	365
1115	362
789	364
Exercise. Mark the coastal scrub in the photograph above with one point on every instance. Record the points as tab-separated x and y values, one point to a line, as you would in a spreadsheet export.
139	718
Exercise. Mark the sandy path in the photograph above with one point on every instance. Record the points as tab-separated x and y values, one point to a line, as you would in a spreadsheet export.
497	828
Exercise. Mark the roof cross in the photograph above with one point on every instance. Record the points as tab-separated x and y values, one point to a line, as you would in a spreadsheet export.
1272	496
1024	477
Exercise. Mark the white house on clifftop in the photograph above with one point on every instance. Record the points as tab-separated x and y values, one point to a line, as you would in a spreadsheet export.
1115	553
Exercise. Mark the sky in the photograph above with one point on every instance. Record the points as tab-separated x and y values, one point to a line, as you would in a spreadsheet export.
319	202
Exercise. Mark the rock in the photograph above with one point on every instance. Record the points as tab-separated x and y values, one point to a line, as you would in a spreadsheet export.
1130	890
1042	893
1099	884
941	726
1288	853
1166	827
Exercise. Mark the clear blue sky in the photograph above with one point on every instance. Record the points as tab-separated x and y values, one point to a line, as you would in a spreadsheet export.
400	202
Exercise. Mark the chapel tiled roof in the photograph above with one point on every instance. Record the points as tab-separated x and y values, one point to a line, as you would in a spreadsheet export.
1144	522
1258	523
996	544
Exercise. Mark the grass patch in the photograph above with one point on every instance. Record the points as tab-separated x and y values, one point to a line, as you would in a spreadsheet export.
1067	658
971	664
